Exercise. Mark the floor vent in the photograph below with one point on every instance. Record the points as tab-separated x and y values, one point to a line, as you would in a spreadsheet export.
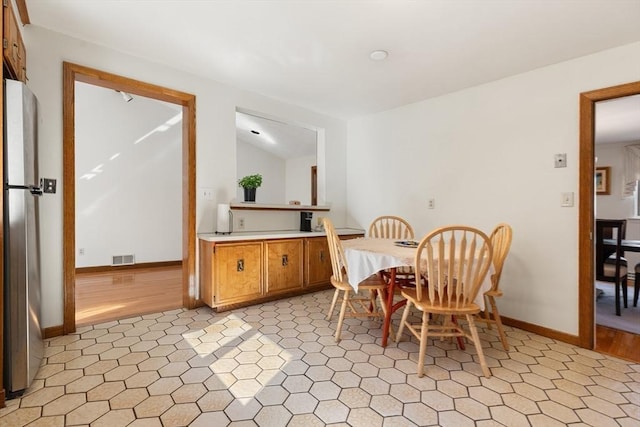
123	260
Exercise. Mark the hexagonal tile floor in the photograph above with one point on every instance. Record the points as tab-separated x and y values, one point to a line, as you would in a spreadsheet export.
277	364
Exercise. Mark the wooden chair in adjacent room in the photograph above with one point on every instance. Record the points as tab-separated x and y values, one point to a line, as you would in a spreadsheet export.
611	266
455	259
353	305
636	285
500	243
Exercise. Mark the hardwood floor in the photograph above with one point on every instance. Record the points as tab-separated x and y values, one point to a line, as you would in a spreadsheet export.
618	343
107	296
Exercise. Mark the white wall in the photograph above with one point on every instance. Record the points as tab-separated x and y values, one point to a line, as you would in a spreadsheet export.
485	154
128	193
215	138
299	179
282	179
252	160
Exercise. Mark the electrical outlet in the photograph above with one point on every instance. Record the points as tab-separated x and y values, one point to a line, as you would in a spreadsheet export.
561	160
240	223
431	204
81	251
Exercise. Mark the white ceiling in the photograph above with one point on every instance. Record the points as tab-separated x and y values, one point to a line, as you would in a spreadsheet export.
284	140
315	53
618	120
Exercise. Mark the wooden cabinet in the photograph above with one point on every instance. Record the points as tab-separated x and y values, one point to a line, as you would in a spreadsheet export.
14	52
237	273
283	265
318	268
317	261
250	271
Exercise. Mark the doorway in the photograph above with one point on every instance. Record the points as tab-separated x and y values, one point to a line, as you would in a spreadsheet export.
586	211
76	73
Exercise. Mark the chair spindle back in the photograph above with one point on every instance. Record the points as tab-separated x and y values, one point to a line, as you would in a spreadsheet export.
338	262
501	243
391	227
453	262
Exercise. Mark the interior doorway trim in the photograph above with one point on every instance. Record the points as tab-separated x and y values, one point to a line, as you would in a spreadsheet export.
73	73
586	214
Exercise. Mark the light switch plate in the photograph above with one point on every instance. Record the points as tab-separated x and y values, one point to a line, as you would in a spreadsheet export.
207	193
567	200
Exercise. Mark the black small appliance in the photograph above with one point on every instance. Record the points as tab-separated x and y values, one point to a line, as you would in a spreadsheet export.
305	221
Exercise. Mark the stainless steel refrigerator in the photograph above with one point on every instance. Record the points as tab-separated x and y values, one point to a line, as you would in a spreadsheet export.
23	346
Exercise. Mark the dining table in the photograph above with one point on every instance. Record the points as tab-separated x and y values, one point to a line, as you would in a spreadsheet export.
627	245
367	256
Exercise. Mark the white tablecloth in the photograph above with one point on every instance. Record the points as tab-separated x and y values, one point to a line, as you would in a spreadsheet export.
367	256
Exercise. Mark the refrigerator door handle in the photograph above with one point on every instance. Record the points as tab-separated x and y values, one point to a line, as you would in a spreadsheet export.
47	185
34	189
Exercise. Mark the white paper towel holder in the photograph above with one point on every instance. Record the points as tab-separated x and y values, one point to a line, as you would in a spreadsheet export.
230	224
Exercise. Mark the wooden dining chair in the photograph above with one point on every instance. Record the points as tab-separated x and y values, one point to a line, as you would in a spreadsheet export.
611	266
353	305
454	261
501	243
636	285
394	227
390	227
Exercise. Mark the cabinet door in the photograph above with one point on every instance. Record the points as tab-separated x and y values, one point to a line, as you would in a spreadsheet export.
14	52
206	272
10	35
237	272
283	265
318	261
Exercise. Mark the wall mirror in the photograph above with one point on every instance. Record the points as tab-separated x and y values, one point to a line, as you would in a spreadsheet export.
284	153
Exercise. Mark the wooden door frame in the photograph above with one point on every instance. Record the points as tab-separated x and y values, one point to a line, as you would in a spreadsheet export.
77	73
586	213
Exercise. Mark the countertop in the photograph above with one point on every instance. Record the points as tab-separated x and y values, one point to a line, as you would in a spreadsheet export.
278	234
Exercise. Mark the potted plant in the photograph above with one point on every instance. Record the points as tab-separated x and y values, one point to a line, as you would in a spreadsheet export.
250	183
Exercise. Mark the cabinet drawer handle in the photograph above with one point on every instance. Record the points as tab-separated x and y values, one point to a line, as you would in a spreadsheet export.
240	265
321	256
285	260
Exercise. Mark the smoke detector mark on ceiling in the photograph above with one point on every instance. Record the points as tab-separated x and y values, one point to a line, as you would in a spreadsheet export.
379	55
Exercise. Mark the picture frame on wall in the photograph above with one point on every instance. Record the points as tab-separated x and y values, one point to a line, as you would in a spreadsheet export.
603	181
